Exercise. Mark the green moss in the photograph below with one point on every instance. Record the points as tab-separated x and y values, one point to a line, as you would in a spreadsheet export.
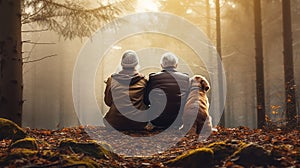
242	145
91	148
28	143
222	150
10	130
49	155
202	157
251	155
76	162
16	154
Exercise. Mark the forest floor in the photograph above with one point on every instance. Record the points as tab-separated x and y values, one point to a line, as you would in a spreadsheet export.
282	149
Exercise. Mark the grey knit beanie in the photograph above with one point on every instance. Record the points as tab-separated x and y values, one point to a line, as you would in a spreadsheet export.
168	60
129	59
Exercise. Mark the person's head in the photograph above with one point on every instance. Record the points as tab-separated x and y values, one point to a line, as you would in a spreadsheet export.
169	60
129	60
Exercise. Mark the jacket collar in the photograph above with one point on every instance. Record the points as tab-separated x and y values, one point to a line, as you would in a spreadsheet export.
169	69
128	72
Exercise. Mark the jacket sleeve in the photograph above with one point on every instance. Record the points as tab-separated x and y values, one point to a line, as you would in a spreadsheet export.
147	91
107	94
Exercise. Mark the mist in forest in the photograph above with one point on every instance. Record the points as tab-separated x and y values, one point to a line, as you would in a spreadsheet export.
48	82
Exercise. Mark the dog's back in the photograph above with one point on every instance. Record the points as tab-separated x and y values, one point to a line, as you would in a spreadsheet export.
196	116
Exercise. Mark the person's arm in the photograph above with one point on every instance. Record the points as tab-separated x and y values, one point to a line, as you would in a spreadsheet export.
107	94
147	91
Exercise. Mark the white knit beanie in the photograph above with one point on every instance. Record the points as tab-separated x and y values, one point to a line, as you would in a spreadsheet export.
129	59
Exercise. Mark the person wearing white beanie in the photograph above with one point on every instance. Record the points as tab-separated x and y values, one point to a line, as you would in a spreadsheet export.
123	91
129	59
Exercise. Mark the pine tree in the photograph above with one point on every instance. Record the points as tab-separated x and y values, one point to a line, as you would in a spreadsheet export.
260	91
290	94
10	60
70	19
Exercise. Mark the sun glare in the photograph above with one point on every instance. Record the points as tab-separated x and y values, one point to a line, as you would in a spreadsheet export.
147	6
232	4
212	3
189	11
29	10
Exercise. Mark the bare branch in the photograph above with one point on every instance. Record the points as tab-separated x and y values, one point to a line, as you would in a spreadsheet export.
32	15
36	60
30	42
229	55
33	31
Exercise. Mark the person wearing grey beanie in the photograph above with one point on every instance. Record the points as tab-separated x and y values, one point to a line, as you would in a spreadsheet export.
175	85
124	94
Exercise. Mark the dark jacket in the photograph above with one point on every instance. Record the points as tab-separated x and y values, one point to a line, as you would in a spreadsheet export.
124	94
175	86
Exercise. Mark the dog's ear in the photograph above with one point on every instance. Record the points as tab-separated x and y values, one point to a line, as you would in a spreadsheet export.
197	78
200	81
195	81
205	85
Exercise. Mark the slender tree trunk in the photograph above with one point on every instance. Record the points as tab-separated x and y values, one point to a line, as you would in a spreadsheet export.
211	60
220	82
10	61
260	89
208	25
290	95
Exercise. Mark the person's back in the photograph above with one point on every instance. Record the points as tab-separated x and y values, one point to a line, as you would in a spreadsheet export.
124	95
175	86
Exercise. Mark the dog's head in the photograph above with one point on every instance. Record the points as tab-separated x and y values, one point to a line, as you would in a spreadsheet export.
201	82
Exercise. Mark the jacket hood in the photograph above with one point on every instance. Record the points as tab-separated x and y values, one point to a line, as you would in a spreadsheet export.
125	78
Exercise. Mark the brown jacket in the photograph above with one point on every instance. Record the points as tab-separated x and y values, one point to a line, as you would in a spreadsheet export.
124	95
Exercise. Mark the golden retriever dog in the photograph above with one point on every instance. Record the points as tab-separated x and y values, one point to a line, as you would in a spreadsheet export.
197	107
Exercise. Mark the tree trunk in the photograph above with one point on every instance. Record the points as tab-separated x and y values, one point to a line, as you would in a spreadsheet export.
10	61
208	19
290	95
260	90
220	82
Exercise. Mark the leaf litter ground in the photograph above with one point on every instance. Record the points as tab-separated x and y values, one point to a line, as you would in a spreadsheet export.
287	144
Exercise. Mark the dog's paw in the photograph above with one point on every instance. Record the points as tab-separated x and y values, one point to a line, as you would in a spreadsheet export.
214	129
